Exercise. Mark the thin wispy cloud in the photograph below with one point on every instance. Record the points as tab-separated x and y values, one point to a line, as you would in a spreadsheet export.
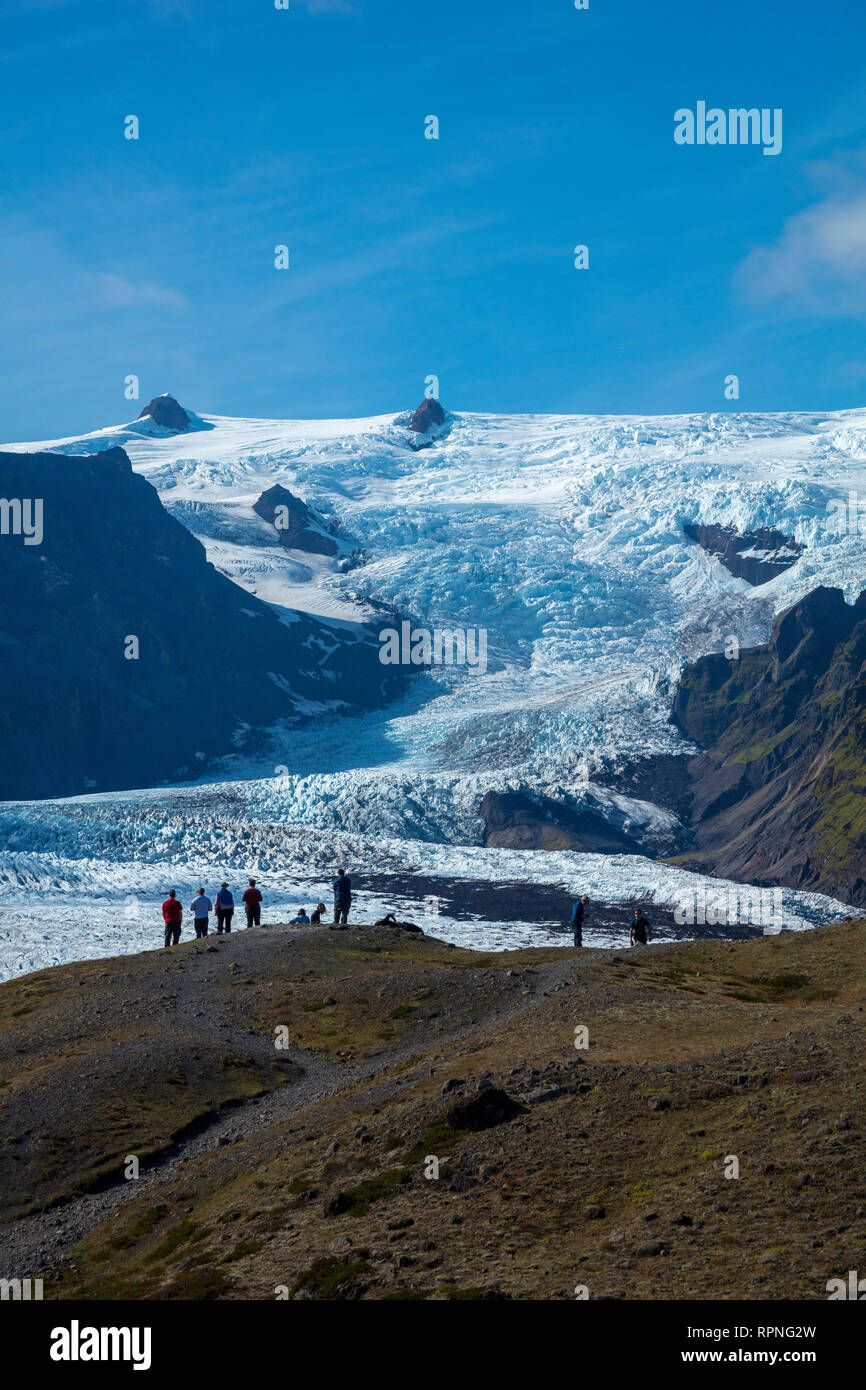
118	292
323	280
47	273
817	264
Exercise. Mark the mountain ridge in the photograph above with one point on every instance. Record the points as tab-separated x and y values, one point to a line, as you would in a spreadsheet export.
129	658
779	793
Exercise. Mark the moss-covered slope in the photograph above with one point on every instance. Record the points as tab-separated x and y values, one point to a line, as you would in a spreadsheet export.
606	1166
779	795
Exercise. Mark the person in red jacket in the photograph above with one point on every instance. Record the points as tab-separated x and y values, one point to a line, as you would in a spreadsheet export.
172	915
253	905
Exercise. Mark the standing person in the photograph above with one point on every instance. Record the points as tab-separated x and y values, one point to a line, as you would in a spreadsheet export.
639	929
200	907
225	906
342	898
317	915
172	915
578	912
253	905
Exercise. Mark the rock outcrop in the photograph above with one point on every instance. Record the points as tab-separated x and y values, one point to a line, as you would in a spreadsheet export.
515	820
756	556
166	411
297	527
779	794
428	415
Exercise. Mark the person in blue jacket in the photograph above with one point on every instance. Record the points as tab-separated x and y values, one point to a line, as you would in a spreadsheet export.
225	906
578	912
342	898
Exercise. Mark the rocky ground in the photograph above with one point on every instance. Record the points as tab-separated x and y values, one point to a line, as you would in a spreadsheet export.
309	1170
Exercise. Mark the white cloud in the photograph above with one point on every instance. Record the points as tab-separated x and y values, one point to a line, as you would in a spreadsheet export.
116	292
818	264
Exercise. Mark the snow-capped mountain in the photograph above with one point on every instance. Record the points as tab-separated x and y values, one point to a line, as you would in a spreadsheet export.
561	538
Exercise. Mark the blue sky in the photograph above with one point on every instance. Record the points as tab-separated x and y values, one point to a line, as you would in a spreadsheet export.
409	256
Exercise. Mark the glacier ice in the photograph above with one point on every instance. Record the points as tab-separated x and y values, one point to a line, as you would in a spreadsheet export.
562	537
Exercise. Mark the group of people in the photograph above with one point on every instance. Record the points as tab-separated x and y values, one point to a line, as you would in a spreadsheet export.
342	887
201	908
639	930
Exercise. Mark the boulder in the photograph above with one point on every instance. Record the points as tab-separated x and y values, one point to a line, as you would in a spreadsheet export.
484	1110
542	1094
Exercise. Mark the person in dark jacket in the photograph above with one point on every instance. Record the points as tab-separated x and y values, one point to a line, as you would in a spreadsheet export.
342	898
578	912
225	907
639	929
253	905
317	914
172	915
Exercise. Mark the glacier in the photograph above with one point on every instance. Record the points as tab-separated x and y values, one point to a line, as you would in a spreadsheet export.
562	537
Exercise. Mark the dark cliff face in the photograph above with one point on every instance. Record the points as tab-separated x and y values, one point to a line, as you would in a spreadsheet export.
127	658
756	556
779	794
297	527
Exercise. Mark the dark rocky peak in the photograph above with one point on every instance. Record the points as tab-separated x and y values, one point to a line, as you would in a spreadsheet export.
756	556
806	635
166	411
428	415
297	526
